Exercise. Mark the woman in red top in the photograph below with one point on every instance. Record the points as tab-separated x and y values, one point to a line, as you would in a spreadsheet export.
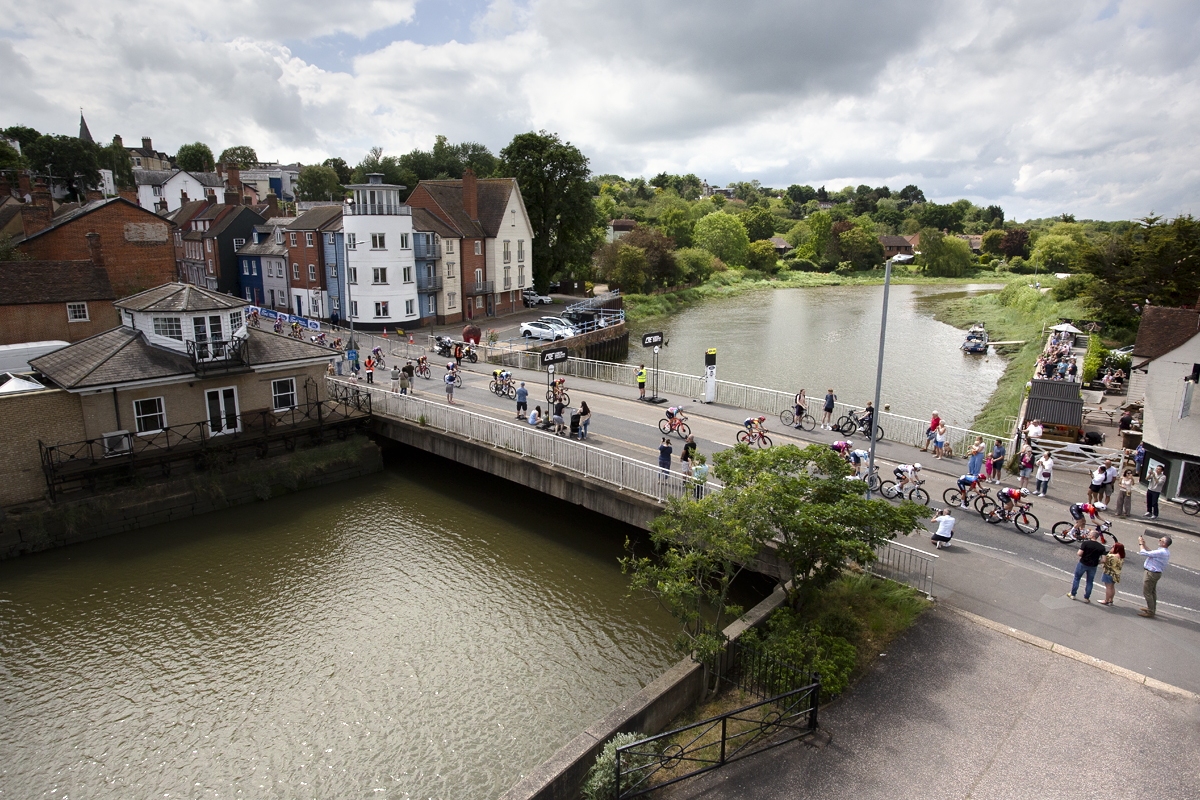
929	434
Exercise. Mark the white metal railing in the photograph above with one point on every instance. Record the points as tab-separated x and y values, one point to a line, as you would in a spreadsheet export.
1076	457
621	471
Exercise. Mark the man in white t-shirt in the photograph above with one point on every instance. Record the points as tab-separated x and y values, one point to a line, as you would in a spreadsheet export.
1034	430
945	530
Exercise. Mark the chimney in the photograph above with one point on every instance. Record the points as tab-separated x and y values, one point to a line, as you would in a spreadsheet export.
117	140
146	144
183	198
220	170
470	192
273	201
94	251
37	213
235	178
161	205
232	198
23	186
129	193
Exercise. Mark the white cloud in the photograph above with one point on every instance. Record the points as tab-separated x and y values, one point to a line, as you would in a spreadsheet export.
1040	107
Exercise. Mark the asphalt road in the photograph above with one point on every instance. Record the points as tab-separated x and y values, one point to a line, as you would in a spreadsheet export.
991	570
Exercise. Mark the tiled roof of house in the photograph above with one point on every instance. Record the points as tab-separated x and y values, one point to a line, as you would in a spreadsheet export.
623	224
492	199
7	212
86	208
231	213
28	282
179	297
66	208
425	220
316	218
186	212
780	243
208	179
894	241
268	347
1163	329
153	177
120	355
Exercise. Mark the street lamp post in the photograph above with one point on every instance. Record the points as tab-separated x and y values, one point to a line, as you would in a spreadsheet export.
887	285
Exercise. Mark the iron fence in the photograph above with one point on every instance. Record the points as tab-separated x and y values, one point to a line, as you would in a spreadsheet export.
658	761
534	443
903	564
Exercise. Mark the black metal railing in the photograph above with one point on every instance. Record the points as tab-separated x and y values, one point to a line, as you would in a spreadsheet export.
210	354
658	761
83	461
478	287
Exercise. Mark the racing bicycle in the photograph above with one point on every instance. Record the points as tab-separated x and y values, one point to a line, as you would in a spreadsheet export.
1067	533
758	437
675	425
503	389
976	498
916	494
1026	523
854	423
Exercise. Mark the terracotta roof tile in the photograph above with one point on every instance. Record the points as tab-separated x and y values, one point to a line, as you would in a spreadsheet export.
1163	329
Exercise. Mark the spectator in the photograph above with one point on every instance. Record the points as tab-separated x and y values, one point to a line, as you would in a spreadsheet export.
664	457
522	400
535	416
930	434
827	415
1033	431
685	455
560	425
939	440
585	416
945	530
1157	482
1027	465
396	373
975	456
1156	562
998	454
1090	552
1045	470
1112	572
409	374
700	474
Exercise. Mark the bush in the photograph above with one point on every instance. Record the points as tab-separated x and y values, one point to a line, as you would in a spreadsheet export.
754	275
695	263
1020	266
810	648
1072	287
601	783
1093	359
803	265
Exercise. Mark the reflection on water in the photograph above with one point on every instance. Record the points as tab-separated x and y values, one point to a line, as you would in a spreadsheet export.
422	632
828	337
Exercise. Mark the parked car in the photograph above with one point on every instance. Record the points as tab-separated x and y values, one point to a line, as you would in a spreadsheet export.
558	322
541	330
532	298
554	288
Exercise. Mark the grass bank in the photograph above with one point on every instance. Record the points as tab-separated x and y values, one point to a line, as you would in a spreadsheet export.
735	281
1017	313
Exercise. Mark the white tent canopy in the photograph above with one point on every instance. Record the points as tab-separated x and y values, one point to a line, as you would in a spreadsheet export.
1066	327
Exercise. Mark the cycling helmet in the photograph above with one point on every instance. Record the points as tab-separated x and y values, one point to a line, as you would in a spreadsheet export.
917	467
762	419
849	444
1101	507
1024	493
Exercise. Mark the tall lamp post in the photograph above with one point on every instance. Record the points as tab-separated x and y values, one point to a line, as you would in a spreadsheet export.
887	285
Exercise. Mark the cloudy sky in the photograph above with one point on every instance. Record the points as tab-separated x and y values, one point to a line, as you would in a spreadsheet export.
1042	107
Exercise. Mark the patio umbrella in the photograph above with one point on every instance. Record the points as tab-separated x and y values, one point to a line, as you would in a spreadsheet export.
1066	327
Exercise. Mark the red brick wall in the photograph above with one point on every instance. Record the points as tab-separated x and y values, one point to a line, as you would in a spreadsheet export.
44	322
304	255
139	251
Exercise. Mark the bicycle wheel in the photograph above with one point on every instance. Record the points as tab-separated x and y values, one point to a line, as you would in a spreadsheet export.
879	433
683	430
919	495
743	437
1026	523
981	501
809	422
992	513
664	426
566	399
1062	532
1191	507
511	391
764	441
952	497
845	425
888	489
549	396
494	387
458	380
786	417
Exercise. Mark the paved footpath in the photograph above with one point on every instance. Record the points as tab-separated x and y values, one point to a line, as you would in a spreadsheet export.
957	709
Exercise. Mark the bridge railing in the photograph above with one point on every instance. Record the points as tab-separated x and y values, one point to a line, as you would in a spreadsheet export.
903	564
529	442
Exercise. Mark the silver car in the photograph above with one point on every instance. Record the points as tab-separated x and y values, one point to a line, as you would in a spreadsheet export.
542	330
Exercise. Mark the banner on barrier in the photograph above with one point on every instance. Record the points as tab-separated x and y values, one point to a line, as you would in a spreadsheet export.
288	319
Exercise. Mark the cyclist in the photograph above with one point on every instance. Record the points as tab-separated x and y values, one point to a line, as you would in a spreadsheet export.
864	419
1078	512
906	475
842	448
754	425
675	415
858	458
967	484
1010	497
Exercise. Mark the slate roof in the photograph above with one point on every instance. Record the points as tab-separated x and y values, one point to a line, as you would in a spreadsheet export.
7	212
1163	329
176	297
30	282
153	177
186	212
315	219
121	355
425	220
268	347
894	241
1055	411
492	199
779	243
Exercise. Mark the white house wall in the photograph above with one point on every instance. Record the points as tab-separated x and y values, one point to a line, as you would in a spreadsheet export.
1164	396
396	292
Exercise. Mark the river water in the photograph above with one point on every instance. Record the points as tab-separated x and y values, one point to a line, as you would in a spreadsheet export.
828	337
424	632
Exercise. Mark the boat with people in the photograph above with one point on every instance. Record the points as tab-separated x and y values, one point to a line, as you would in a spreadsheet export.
977	339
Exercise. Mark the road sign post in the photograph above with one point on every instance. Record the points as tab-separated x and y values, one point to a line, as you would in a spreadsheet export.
551	358
710	375
654	340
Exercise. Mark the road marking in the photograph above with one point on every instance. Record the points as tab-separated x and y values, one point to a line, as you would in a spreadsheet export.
988	547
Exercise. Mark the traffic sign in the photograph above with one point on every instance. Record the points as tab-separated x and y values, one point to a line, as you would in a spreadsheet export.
652	339
554	355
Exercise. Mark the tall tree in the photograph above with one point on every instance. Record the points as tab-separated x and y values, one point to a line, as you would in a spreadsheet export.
801	194
912	194
991	242
68	159
759	222
1015	243
941	217
724	236
195	157
943	255
319	183
116	158
23	135
241	156
339	165
659	251
553	177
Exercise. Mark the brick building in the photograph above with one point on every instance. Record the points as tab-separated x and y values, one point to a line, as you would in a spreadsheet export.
304	239
136	243
54	300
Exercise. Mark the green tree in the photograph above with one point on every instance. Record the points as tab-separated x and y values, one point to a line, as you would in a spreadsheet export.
241	156
944	256
861	247
631	269
724	236
1058	253
676	223
759	223
762	257
941	217
387	166
801	194
553	176
318	182
820	234
68	159
911	194
991	242
116	158
1015	243
10	158
695	263
659	250
23	135
339	165
195	157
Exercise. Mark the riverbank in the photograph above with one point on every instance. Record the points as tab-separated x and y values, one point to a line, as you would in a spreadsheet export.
1017	313
734	282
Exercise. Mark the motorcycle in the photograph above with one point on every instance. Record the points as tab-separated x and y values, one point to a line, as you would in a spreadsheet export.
469	354
444	345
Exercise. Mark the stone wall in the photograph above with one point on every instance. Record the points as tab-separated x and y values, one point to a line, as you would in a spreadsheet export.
43	526
49	416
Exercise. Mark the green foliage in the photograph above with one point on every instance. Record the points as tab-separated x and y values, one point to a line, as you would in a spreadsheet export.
1093	359
661	267
9	251
553	176
116	158
66	158
808	648
631	269
991	242
694	263
339	165
724	236
1072	287
22	134
195	157
601	783
759	223
241	156
9	158
676	223
448	161
388	166
803	265
944	256
1015	243
939	217
762	257
319	183
1056	253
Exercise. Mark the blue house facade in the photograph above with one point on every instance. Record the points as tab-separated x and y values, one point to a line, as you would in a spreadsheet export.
335	272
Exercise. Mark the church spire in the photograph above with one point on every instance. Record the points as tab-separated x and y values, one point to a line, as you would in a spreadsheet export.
84	133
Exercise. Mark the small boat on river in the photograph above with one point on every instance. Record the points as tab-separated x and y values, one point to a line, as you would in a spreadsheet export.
977	339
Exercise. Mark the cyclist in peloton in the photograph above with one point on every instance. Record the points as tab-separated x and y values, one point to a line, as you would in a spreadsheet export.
906	476
842	448
858	458
1079	510
966	484
1010	497
754	424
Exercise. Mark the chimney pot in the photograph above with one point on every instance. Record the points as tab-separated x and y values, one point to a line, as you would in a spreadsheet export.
23	185
183	198
117	140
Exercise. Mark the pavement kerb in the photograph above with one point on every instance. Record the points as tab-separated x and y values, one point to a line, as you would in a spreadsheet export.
1082	658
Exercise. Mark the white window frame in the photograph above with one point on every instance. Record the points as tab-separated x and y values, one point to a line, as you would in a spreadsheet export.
308	238
520	276
295	271
507	251
351	241
292	238
404	241
245	266
450	299
381	309
378	241
238	243
312	272
449	269
408	308
354	308
158	191
139	416
408	276
283	388
73	310
379	275
449	245
478	247
520	249
352	275
208	245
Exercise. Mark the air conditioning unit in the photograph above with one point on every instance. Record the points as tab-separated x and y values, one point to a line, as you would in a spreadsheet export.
116	443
